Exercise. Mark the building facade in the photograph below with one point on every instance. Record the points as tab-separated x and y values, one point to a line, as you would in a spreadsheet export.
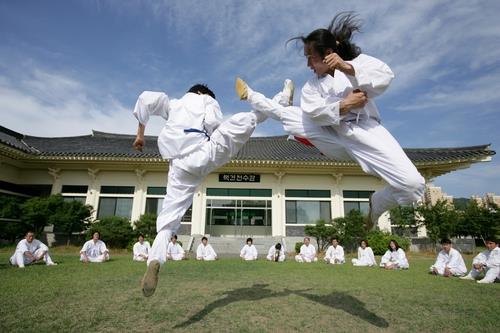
273	187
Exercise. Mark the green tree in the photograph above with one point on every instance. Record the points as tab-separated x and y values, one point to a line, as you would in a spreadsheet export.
11	227
379	241
36	212
350	229
115	231
479	221
71	216
440	220
146	225
404	216
322	232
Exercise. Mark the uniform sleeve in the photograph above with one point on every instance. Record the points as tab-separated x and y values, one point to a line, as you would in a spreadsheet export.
181	250
22	246
270	253
402	260
440	260
372	256
494	259
323	111
104	249
135	250
479	259
84	247
242	252
341	253
385	258
213	251
371	75
255	252
151	103
199	252
213	115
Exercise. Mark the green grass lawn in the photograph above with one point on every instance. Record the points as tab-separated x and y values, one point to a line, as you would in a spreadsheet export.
234	296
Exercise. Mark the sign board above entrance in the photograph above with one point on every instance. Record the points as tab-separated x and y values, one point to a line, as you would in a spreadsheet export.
239	177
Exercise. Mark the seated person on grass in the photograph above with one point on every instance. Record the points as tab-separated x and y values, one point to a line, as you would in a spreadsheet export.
30	251
486	265
449	261
276	253
205	251
249	251
394	257
307	252
335	253
94	250
365	255
174	250
141	249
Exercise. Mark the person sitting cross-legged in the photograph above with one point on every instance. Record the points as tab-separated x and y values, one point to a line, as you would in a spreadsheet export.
175	250
335	253
449	261
276	253
365	255
94	250
394	257
205	251
249	251
486	265
30	251
307	252
141	249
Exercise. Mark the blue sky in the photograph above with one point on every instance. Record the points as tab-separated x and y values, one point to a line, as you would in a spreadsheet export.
67	67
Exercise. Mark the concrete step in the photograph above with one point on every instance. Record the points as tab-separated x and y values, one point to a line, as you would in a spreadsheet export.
233	245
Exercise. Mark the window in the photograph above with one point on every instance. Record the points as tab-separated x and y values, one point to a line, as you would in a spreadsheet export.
307	212
305	208
357	200
74	193
236	210
154	203
116	201
307	193
239	212
239	192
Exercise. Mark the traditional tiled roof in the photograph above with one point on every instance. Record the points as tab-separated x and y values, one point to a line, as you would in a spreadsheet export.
274	148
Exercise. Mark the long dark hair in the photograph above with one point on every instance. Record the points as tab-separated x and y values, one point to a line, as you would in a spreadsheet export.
338	37
395	243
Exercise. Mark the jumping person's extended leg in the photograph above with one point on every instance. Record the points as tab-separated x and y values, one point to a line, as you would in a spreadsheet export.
185	175
378	153
295	122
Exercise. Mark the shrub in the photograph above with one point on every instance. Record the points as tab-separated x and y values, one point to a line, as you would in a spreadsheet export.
350	229
379	241
297	247
115	231
321	232
146	225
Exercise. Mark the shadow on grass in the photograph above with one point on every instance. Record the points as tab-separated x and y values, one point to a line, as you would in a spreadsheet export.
254	293
347	303
336	300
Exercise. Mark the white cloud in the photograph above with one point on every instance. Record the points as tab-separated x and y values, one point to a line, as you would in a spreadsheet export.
43	103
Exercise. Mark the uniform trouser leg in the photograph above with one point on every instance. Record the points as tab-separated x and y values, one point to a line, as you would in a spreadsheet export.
187	173
491	274
367	142
295	122
378	153
19	259
43	252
